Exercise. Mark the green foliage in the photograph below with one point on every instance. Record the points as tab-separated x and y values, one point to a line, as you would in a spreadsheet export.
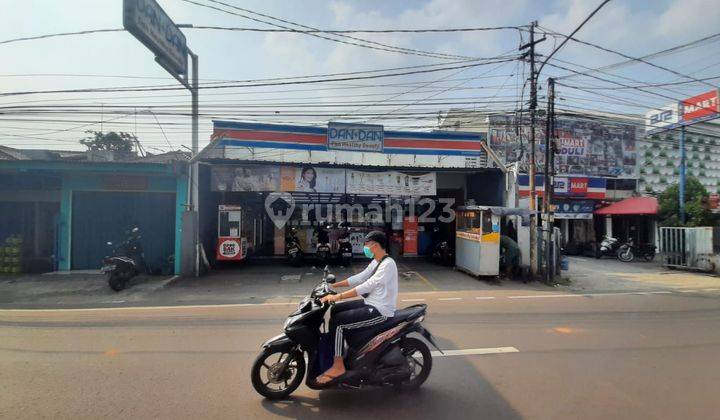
648	189
118	142
656	171
648	154
696	211
662	154
663	180
695	148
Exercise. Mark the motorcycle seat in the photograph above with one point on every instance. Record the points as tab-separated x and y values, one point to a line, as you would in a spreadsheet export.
358	338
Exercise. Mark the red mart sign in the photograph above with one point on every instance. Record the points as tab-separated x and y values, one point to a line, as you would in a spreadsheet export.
578	186
701	107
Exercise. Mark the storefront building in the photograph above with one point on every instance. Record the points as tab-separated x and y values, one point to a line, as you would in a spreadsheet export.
260	184
59	215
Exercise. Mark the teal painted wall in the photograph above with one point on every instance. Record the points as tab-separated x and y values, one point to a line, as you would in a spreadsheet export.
90	181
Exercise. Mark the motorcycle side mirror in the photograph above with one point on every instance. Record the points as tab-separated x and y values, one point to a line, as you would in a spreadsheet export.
330	278
108	243
326	269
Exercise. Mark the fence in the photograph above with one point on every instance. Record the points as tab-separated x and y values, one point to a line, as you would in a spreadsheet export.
684	247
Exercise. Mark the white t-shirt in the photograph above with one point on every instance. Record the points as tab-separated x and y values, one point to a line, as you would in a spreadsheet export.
381	287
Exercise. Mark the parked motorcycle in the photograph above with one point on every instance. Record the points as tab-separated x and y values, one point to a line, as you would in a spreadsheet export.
345	251
126	261
442	253
382	355
628	251
323	253
608	246
293	250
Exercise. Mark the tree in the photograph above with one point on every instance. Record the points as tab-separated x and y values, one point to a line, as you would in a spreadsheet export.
117	142
696	208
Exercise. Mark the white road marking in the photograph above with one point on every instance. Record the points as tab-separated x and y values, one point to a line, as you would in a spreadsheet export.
689	291
413	300
449	298
143	308
484	297
711	290
541	296
470	352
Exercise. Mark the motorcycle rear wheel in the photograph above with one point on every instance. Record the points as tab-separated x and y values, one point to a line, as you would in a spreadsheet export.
116	282
625	255
411	348
266	371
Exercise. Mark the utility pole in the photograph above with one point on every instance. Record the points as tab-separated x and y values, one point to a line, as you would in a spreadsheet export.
549	176
531	166
681	192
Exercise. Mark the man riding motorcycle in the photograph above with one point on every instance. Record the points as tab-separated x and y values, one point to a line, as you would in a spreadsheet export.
378	285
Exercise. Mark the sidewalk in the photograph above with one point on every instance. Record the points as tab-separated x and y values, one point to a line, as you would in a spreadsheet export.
607	274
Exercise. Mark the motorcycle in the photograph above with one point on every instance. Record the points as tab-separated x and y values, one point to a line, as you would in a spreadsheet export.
345	251
608	246
443	253
628	251
382	355
293	250
323	253
125	262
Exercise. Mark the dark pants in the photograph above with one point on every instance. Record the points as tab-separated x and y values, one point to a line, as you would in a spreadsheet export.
354	315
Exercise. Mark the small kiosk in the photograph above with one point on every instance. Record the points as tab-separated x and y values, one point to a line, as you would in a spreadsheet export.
232	245
477	241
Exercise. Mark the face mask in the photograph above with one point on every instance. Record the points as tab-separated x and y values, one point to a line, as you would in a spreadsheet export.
367	251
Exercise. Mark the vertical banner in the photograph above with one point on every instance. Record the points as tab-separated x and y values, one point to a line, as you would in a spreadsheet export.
410	238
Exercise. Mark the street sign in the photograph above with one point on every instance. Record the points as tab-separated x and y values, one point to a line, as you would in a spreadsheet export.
664	118
701	107
149	23
358	137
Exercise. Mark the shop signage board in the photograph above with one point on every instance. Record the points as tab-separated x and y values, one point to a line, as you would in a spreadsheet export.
356	137
663	118
701	107
312	179
232	178
149	23
390	183
574	209
578	187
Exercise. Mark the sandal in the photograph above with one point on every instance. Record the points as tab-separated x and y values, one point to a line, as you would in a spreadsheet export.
332	379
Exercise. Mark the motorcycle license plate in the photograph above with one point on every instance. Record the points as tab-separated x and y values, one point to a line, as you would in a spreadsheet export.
293	251
106	268
347	254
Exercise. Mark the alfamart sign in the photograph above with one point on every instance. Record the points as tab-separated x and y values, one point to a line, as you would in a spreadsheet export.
703	107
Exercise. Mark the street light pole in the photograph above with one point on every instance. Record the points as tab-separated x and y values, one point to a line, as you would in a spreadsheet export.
194	166
681	192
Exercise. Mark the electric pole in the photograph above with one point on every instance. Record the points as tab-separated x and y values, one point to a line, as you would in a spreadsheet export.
548	175
531	166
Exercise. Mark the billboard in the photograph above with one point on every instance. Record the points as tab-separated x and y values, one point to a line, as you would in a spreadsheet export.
312	179
701	107
660	119
585	146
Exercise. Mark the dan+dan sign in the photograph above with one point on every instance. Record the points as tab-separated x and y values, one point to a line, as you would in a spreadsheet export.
357	137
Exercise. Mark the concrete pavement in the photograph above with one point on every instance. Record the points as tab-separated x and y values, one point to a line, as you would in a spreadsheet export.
618	355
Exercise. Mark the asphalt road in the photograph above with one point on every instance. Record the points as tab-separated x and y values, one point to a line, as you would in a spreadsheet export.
593	356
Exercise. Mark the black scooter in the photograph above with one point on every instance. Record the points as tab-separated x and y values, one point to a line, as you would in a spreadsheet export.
293	250
442	253
126	261
382	355
345	251
323	253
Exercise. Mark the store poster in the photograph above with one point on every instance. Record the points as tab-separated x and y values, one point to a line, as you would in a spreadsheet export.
390	183
410	236
244	178
312	179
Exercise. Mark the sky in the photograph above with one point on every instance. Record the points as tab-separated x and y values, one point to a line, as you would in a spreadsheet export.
412	102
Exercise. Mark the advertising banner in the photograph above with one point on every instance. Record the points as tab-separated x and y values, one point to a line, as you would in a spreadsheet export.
244	178
312	179
390	183
701	107
357	137
586	147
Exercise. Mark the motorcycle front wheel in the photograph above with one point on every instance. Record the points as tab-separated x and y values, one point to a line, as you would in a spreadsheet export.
417	354
274	376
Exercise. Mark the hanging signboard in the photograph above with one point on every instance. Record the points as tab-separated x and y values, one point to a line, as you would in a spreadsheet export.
312	179
149	23
574	209
244	178
390	183
357	137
